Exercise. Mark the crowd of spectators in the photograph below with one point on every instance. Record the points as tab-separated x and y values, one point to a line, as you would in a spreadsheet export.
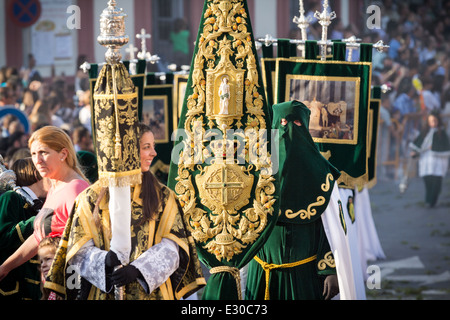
415	69
29	102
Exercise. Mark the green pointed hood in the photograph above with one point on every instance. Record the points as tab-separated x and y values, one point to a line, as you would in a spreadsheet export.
306	177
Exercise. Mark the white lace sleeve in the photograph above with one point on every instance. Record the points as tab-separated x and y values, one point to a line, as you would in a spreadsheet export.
157	264
90	261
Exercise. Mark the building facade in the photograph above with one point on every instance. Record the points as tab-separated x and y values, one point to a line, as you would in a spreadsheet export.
67	29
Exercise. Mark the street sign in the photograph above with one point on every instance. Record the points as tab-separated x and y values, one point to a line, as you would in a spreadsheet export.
24	13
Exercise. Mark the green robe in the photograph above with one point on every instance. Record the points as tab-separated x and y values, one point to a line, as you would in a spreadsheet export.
16	225
298	243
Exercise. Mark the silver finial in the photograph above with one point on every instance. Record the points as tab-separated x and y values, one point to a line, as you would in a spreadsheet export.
325	19
380	46
112	32
351	42
302	21
86	66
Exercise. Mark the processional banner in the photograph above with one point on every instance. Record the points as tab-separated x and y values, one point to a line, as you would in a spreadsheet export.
221	166
337	92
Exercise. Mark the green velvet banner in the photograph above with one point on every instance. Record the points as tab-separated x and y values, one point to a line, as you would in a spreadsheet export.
221	167
338	95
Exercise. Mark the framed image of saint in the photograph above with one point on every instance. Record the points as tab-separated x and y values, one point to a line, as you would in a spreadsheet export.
155	113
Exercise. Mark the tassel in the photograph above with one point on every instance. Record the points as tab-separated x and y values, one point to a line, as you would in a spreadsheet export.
118	147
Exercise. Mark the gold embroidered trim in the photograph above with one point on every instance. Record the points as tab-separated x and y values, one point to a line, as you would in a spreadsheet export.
328	260
19	233
320	201
120	179
16	289
348	182
37	282
115	114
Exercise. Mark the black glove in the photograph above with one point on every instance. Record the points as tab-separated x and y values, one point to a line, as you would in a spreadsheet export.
125	275
111	260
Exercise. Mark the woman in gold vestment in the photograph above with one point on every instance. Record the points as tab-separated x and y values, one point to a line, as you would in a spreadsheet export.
163	260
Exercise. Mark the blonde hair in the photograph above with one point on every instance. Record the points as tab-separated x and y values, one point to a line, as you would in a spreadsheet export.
57	139
50	242
53	243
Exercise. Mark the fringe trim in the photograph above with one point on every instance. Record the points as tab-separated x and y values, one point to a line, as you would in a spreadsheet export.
120	179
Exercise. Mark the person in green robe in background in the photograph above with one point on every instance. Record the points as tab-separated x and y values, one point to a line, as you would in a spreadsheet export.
16	225
179	37
296	263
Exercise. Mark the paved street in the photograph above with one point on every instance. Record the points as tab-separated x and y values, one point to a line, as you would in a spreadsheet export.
416	241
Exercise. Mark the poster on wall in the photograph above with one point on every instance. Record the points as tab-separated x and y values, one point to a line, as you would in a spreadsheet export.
51	40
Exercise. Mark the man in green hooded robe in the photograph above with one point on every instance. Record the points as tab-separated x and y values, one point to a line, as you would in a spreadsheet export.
297	263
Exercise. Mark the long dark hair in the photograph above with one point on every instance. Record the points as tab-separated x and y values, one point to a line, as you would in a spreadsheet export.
151	187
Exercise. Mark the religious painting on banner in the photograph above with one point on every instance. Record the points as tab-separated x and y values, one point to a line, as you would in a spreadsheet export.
221	166
337	92
155	113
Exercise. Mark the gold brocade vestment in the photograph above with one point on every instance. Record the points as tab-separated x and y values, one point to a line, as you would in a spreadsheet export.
82	227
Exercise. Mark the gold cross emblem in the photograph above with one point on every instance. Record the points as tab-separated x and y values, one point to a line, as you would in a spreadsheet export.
224	185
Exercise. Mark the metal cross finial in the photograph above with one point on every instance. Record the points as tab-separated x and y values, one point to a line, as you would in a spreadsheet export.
143	36
325	19
143	54
380	46
131	50
86	66
268	40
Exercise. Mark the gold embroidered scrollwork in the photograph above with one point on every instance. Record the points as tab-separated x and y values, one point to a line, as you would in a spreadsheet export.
115	115
225	95
311	211
328	260
326	186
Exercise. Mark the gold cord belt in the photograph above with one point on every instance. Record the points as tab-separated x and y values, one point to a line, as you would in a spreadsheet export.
234	272
268	267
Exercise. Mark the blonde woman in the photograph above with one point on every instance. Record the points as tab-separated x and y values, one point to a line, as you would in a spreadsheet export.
54	156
